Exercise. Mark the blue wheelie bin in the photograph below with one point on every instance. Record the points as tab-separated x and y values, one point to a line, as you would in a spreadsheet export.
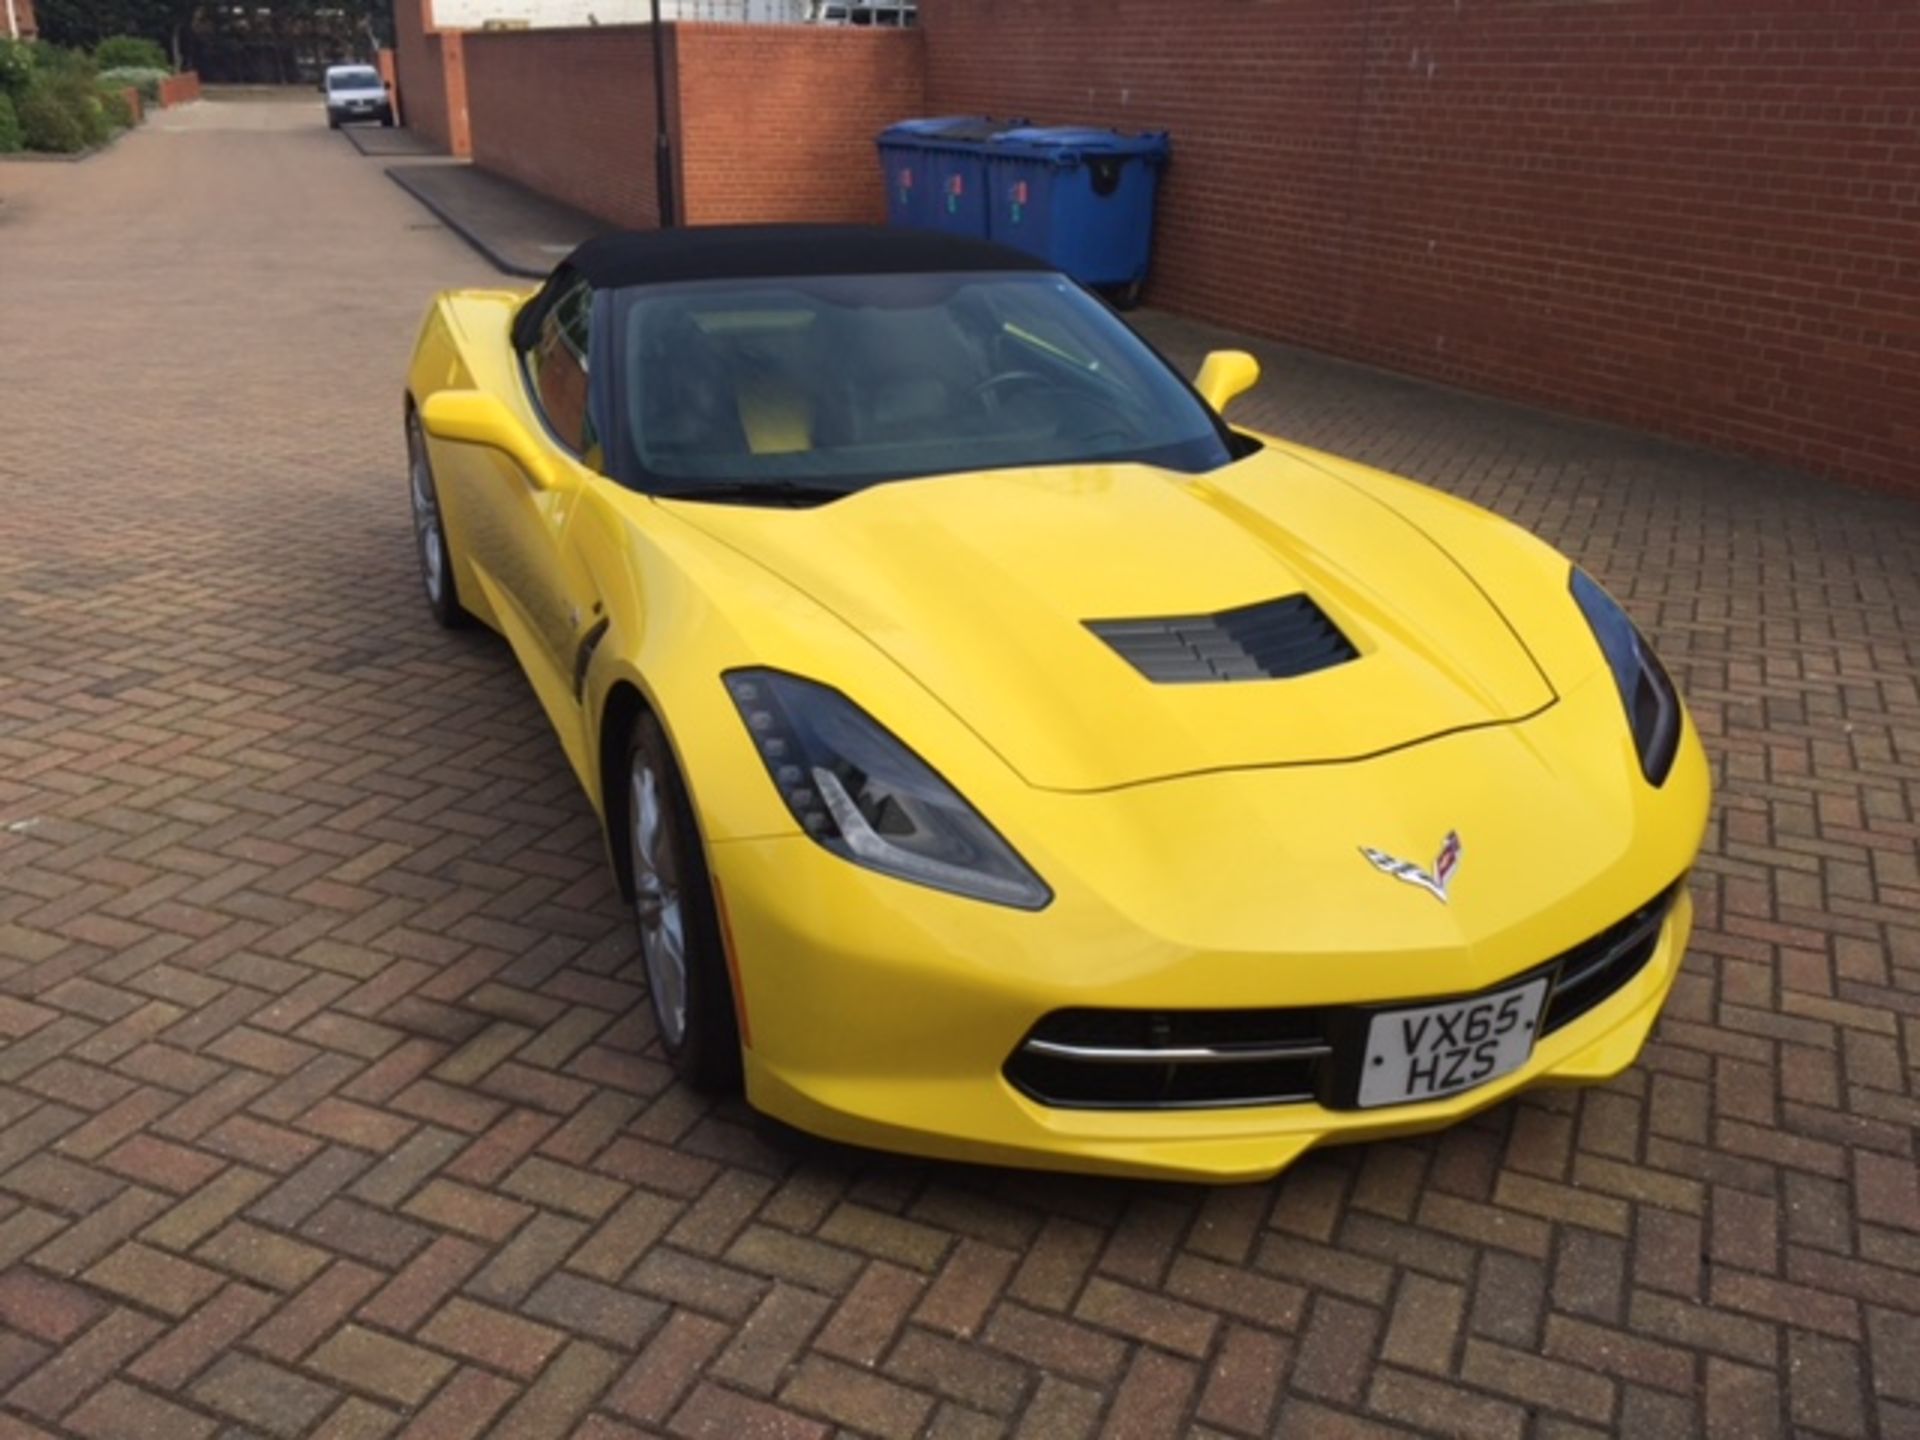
1080	198
935	170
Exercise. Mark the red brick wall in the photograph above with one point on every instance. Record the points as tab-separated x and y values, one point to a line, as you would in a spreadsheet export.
421	71
778	122
389	73
1697	216
771	122
569	113
453	72
179	89
23	18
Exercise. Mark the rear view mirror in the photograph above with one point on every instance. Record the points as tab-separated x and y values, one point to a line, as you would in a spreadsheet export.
474	417
1226	375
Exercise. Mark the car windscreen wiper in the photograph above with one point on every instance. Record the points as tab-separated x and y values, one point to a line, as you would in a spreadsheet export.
751	492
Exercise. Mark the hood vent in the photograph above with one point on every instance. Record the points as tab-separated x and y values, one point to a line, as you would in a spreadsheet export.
1274	640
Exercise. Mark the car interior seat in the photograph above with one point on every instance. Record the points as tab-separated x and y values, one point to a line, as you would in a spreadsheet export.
689	400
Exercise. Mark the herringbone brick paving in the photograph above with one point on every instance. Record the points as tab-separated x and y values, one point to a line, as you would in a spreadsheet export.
327	1105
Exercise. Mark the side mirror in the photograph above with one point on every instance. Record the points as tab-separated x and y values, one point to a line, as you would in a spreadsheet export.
1226	375
474	417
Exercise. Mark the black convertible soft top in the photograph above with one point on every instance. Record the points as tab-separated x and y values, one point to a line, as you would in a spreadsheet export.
765	252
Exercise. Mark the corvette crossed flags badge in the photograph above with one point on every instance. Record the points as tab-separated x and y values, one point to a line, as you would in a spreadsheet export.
1434	882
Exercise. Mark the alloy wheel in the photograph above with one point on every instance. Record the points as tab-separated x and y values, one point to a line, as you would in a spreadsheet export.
657	901
426	517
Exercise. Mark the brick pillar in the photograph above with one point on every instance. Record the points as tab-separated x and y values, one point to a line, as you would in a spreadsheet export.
453	57
390	77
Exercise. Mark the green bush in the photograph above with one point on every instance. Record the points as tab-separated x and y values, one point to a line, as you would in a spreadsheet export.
53	62
10	138
121	51
16	66
91	111
49	122
136	77
117	108
79	92
59	105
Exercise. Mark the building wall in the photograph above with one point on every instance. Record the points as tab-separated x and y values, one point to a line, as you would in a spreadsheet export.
421	68
569	113
1696	216
473	14
779	123
24	24
770	122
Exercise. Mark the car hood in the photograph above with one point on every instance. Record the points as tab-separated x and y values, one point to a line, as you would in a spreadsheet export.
985	587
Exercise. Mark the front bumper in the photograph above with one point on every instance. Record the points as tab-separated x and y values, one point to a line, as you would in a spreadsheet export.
883	1014
953	1102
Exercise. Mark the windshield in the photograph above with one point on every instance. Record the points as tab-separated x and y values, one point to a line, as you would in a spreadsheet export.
354	80
842	382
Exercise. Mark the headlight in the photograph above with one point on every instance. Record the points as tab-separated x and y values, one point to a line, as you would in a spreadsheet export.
1653	706
866	797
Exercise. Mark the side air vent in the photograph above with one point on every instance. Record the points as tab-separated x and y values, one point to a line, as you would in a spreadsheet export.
1273	640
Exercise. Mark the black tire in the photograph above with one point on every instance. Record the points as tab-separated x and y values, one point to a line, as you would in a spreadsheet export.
333	122
386	119
1127	297
701	1035
430	534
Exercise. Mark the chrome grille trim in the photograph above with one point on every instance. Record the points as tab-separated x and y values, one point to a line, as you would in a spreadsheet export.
1187	1055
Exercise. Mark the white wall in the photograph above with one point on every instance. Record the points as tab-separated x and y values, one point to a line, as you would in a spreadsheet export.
472	14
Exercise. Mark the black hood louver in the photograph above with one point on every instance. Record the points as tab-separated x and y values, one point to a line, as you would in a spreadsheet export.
1274	640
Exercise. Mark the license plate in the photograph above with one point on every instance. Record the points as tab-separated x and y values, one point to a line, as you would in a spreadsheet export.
1443	1049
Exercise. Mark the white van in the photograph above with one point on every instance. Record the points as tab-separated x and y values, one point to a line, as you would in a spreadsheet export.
356	92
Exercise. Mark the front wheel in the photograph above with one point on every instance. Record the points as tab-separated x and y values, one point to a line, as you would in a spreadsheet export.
673	909
386	120
430	534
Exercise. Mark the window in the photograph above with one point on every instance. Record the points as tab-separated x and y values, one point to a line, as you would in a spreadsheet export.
848	381
355	80
557	367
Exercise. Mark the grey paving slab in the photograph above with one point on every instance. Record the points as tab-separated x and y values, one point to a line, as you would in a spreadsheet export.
522	233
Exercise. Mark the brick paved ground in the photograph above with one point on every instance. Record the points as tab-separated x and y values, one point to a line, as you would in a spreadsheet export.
325	1100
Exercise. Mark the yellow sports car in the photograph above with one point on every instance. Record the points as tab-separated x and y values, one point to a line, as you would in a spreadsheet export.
1007	758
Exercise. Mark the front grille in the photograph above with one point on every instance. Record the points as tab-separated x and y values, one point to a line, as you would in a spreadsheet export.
1089	1059
1274	640
1589	973
1141	1059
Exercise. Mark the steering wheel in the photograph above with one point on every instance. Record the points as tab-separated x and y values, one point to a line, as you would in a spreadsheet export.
989	389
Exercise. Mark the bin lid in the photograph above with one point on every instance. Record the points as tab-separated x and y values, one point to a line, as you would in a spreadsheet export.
1067	144
952	128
